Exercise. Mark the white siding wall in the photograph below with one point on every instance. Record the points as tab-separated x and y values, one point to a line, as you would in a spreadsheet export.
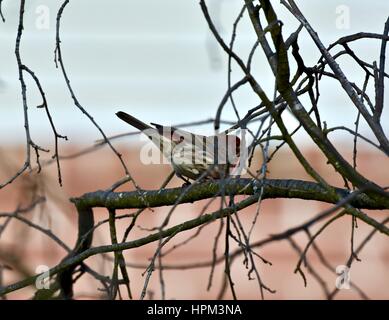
155	59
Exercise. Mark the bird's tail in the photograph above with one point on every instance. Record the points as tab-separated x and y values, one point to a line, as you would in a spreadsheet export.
162	142
133	121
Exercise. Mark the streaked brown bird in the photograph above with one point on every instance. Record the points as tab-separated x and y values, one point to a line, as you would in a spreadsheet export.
191	155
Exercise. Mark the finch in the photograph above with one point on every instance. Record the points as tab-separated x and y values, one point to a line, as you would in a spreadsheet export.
191	155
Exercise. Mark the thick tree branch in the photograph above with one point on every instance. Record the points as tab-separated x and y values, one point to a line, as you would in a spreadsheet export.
272	188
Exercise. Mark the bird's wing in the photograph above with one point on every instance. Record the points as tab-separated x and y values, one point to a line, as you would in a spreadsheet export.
180	136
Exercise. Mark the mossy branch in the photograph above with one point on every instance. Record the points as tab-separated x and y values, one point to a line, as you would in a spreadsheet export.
272	188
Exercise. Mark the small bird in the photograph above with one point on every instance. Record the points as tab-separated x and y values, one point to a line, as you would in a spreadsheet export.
192	156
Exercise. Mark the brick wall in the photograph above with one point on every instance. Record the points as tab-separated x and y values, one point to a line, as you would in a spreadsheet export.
100	169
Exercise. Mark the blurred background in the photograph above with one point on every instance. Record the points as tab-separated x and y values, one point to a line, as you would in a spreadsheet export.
159	62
